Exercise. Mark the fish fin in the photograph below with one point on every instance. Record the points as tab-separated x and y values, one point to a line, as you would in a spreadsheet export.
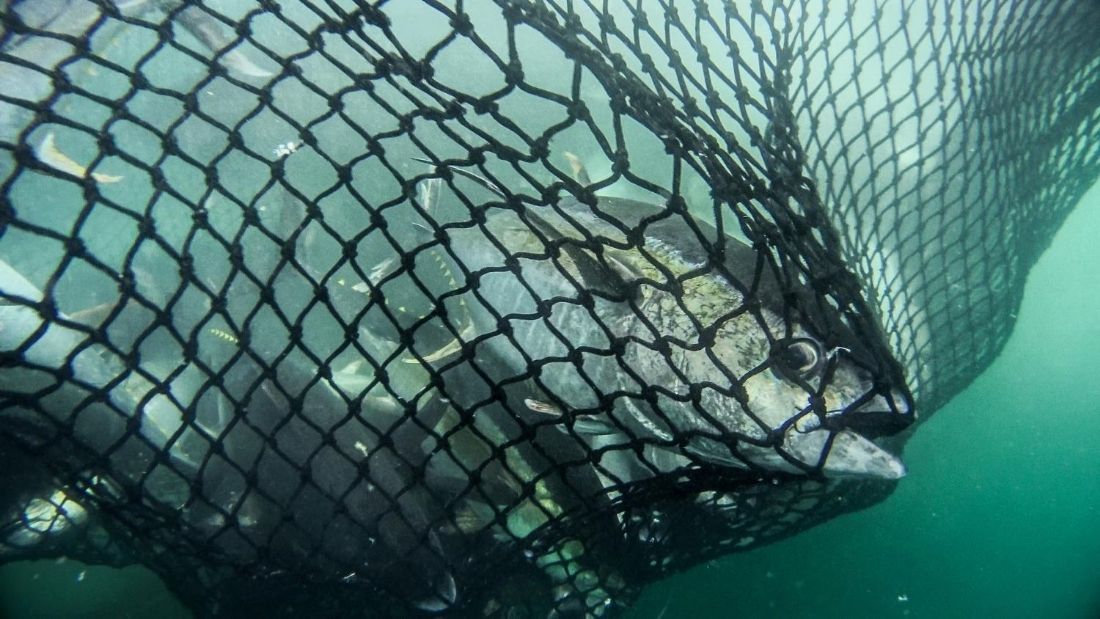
422	233
95	315
375	339
210	33
128	5
12	282
593	269
384	404
447	350
48	153
450	348
592	426
431	413
355	366
625	271
473	516
428	191
223	335
99	177
539	406
599	274
443	596
351	383
580	174
238	61
224	414
378	271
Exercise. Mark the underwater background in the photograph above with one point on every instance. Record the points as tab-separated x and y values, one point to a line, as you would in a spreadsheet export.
999	515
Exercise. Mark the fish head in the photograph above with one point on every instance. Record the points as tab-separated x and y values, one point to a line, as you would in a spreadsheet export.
710	359
756	386
803	405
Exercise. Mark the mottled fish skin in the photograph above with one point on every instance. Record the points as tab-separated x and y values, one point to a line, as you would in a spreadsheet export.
666	339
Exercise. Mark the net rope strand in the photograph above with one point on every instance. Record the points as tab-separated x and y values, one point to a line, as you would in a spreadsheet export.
489	308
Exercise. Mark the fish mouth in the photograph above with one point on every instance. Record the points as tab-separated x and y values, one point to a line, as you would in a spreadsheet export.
848	436
854	456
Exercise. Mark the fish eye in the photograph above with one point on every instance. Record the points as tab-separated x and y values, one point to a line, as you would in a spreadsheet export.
798	356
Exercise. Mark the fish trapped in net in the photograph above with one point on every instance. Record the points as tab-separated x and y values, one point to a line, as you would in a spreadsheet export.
250	341
634	334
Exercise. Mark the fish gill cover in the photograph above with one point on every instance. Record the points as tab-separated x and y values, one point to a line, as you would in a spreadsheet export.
502	307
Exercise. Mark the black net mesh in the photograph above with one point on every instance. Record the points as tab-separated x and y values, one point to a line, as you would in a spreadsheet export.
502	308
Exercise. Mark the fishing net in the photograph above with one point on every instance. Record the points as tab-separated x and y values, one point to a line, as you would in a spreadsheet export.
502	307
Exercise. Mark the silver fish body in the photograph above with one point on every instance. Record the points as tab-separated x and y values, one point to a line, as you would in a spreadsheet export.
623	322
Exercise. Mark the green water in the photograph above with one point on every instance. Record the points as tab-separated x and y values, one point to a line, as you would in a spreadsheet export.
998	516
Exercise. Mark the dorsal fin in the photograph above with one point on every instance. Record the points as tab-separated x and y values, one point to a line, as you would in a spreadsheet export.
580	173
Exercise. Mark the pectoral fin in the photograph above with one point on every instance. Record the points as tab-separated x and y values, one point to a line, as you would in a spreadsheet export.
48	153
580	174
597	271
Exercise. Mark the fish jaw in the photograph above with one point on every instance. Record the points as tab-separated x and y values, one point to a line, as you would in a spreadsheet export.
849	454
833	454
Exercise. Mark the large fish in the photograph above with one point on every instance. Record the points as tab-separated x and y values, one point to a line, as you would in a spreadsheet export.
625	334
